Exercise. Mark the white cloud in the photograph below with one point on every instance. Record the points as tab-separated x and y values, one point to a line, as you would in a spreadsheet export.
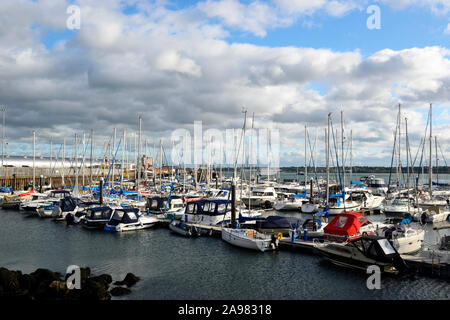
173	67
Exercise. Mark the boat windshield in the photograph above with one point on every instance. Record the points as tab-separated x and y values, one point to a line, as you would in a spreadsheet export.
386	246
399	203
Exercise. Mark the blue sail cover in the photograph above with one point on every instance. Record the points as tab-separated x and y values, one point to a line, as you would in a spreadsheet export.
300	195
358	183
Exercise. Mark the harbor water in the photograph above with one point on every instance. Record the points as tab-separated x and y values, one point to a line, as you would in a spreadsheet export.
178	268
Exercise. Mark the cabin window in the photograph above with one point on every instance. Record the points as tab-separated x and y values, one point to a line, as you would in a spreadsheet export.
222	208
178	205
190	208
269	194
341	221
386	246
154	204
362	220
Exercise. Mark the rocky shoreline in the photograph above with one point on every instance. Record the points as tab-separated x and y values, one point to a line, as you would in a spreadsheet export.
44	284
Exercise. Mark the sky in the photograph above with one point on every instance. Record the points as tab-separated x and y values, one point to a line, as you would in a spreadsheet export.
288	62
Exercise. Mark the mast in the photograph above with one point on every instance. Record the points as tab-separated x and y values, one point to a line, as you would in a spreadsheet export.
399	164
160	165
124	138
328	158
430	170
34	159
3	137
139	154
306	157
268	159
343	154
351	155
84	152
63	161
250	161
76	167
51	160
407	160
92	154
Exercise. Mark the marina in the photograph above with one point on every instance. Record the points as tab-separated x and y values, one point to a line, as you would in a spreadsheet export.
225	158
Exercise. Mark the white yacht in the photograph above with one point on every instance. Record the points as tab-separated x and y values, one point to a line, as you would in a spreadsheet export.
250	239
260	197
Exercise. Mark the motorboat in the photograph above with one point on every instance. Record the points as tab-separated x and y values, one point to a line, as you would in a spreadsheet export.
13	201
166	207
400	208
363	252
377	186
129	220
208	212
183	229
67	206
432	215
350	226
404	238
337	204
46	199
367	199
260	197
291	203
250	239
96	217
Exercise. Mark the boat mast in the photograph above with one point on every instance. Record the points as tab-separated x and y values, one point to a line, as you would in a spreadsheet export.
124	139
407	160
328	159
76	166
3	137
351	155
399	146
92	155
160	165
343	158
63	161
430	173
139	155
306	157
268	159
34	159
84	153
51	160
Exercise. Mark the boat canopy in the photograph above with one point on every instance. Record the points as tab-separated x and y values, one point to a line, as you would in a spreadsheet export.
99	213
345	226
125	216
213	207
300	195
278	222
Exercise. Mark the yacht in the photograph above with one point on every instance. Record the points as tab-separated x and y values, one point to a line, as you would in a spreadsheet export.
97	217
250	239
337	205
291	203
260	197
362	253
400	208
404	238
208	212
40	200
128	220
376	185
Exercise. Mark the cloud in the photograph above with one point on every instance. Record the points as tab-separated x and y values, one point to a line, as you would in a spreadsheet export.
174	67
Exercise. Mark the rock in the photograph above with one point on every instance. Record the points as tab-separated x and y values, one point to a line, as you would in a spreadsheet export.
105	278
9	282
130	280
45	275
120	291
95	290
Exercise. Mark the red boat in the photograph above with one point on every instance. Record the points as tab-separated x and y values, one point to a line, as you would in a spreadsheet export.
349	226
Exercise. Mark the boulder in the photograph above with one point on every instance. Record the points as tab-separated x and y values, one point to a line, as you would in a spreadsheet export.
130	280
120	291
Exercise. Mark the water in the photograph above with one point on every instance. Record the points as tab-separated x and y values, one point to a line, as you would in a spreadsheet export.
174	267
